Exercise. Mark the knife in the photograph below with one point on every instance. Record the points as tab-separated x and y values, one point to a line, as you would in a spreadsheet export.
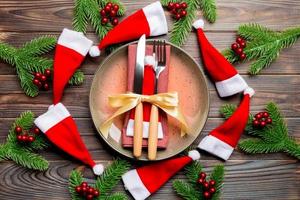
138	89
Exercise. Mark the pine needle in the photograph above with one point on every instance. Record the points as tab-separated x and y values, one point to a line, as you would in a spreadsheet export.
185	190
218	176
209	9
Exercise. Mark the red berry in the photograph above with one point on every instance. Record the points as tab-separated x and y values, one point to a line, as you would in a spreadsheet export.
19	138
258	116
183	13
83	190
90	190
212	183
89	197
234	46
35	82
103	13
104	20
107	9
40	84
18	129
171	5
43	78
201	181
174	11
36	130
37	75
212	190
115	21
242	56
265	114
113	13
46	86
239	40
177	5
269	121
206	195
96	193
78	189
263	124
239	51
47	72
116	7
255	123
84	184
243	44
206	185
184	5
31	139
202	175
24	138
109	4
177	16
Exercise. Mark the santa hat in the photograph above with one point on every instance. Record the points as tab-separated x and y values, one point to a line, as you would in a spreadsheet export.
146	180
71	49
222	140
227	80
60	129
150	20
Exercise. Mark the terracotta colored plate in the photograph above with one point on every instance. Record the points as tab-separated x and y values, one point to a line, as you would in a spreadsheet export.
185	77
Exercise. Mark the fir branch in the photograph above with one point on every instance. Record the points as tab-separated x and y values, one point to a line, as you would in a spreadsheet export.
263	45
111	175
23	154
193	171
75	179
40	45
115	196
77	78
80	19
218	176
121	10
185	190
273	138
209	9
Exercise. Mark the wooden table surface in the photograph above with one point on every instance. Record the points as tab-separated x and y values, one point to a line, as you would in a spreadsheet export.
269	176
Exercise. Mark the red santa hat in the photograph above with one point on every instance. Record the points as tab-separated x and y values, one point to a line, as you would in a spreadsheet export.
61	130
227	80
222	140
146	180
71	49
150	20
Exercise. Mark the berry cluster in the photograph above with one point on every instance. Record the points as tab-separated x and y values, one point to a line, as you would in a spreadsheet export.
87	191
208	187
238	47
40	79
261	119
26	136
109	13
178	9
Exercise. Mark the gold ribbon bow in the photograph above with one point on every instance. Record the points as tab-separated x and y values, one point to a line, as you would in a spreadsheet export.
168	102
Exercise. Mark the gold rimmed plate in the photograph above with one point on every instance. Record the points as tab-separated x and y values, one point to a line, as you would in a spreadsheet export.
185	77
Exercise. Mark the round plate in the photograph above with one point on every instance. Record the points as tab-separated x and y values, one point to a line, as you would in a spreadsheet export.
185	77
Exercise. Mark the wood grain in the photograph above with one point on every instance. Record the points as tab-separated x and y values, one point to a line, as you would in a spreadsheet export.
266	176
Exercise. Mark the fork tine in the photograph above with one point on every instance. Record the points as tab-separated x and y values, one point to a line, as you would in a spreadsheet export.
161	52
164	52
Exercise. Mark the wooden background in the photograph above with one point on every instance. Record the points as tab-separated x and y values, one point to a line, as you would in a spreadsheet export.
271	176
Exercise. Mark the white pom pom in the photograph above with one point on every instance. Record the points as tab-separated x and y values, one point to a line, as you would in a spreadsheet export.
149	60
198	24
249	91
94	51
98	169
194	154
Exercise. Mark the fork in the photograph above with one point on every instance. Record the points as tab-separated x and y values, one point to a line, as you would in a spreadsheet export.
159	51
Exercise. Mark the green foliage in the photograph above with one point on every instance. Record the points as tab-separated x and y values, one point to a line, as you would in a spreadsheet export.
89	11
191	190
183	27
263	45
273	138
104	183
27	60
23	154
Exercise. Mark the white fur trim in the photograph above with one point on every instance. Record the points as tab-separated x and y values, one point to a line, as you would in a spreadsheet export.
130	129
149	60
134	184
94	51
198	24
53	116
194	154
115	133
156	19
75	40
98	169
249	91
231	86
216	147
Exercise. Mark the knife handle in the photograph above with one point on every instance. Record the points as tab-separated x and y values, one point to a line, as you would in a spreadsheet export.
153	133
138	131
